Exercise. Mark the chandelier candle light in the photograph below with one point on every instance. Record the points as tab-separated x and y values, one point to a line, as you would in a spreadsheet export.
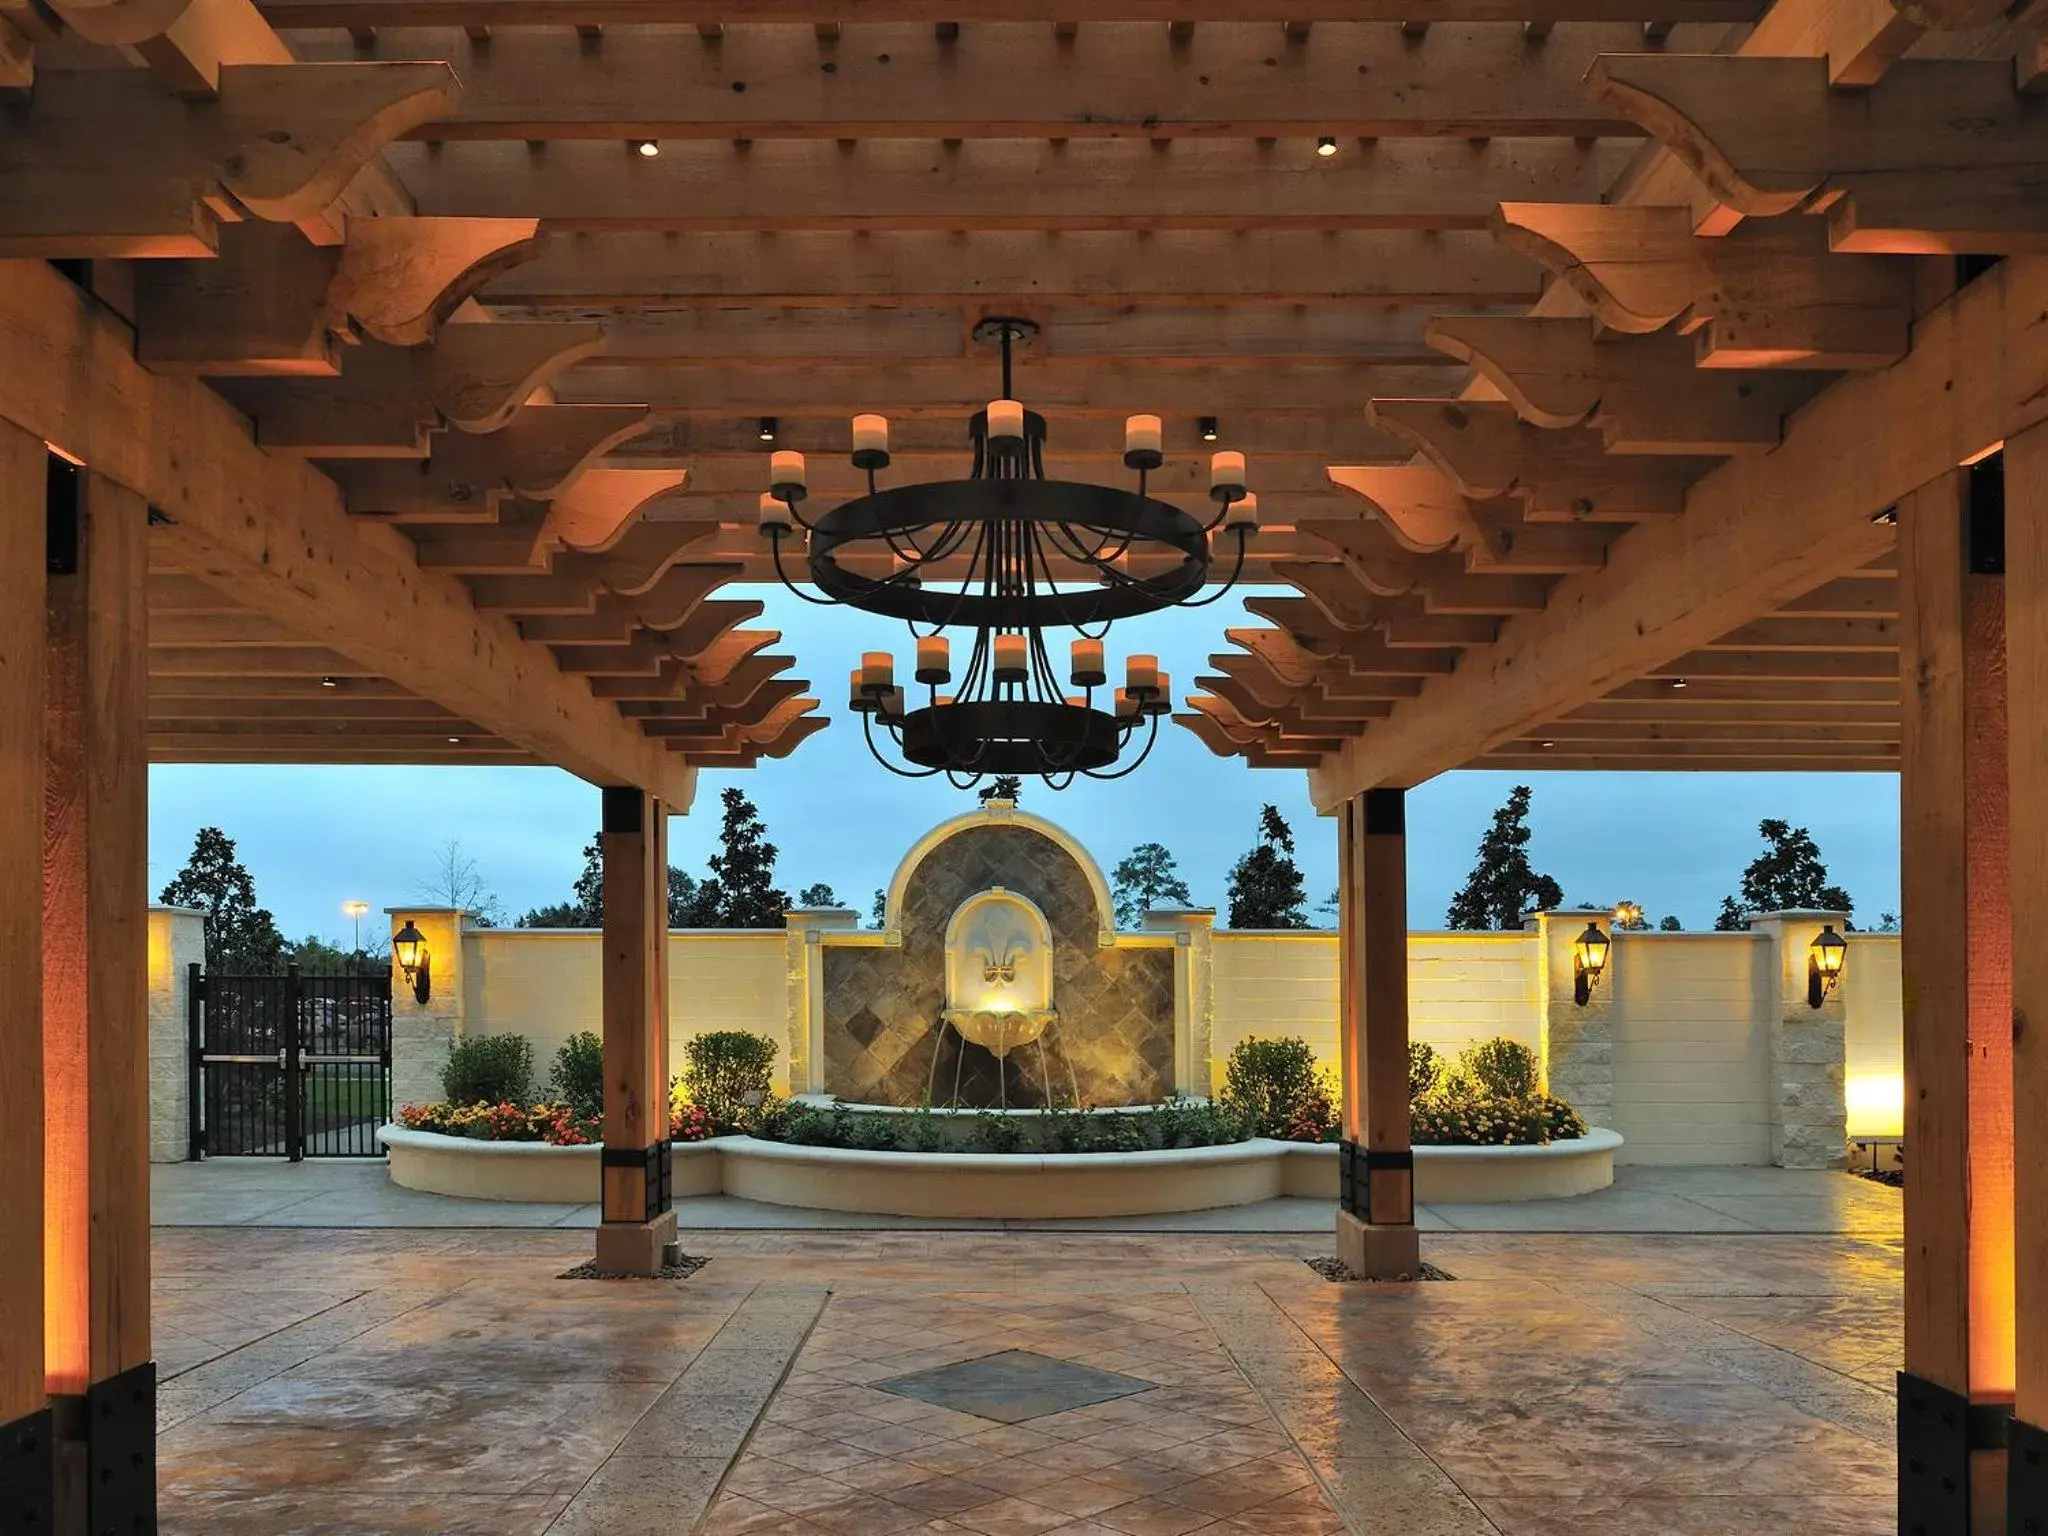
1008	553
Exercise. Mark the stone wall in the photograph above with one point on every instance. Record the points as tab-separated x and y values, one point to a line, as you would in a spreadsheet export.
1113	1042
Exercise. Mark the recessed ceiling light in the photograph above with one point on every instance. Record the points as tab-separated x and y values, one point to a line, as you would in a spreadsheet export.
1326	146
1679	682
1207	426
646	148
1888	518
769	427
330	682
454	741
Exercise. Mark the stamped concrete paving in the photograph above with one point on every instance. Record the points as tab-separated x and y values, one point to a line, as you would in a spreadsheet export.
445	1381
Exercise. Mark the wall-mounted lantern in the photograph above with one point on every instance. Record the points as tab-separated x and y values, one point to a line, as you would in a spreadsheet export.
1589	959
409	949
1824	957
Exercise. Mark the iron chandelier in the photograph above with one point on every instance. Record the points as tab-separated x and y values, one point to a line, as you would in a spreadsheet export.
1009	553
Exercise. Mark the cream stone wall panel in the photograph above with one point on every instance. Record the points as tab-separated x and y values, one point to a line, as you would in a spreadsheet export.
1874	1046
1691	1048
177	941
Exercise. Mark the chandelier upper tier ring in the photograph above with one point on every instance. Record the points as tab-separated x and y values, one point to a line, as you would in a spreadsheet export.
1108	513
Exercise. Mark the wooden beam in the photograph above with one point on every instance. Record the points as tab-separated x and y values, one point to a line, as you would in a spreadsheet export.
187	42
23	523
105	163
1941	155
1356	80
387	400
305	14
625	268
95	965
1978	374
671	600
935	388
1763	296
1101	184
1645	394
1338	591
273	533
2026	639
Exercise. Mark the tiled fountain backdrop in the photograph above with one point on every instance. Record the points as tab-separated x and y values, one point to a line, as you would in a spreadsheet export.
1112	1042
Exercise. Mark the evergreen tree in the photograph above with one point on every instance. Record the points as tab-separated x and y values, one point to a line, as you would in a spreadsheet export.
1265	885
1147	879
690	901
819	895
1670	925
1787	876
1630	918
241	937
879	913
1005	786
1503	884
741	892
585	908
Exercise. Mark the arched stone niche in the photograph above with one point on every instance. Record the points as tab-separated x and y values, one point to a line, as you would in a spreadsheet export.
999	972
883	996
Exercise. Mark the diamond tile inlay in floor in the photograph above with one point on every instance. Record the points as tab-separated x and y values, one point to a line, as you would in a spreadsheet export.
1014	1385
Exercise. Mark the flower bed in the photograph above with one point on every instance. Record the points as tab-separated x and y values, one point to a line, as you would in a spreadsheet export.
979	1185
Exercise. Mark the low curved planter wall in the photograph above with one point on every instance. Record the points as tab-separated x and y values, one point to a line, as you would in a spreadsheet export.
971	1184
1479	1175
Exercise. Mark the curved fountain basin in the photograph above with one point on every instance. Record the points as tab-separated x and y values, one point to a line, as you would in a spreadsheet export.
999	1031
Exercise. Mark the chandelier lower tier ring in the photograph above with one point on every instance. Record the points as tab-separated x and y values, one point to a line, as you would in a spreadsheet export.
1060	518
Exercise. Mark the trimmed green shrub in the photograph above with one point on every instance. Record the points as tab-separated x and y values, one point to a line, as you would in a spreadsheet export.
725	1068
1268	1082
488	1069
922	1131
1501	1067
1563	1122
874	1133
1456	1120
995	1132
579	1073
1425	1069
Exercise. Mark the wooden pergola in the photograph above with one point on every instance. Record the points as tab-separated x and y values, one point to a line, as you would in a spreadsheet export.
1627	384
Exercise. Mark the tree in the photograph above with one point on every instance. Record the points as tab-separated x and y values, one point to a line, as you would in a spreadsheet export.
1670	925
1887	922
455	882
316	957
1629	918
1503	884
1147	879
741	892
241	937
1265	885
878	914
1787	876
585	908
690	901
819	895
1005	786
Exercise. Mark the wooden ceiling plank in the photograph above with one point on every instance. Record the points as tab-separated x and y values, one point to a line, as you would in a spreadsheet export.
1101	184
1354	80
723	15
623	269
106	163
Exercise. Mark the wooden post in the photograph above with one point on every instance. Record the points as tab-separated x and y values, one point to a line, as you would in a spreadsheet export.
95	1007
1376	1214
2026	619
24	1401
637	1221
1957	963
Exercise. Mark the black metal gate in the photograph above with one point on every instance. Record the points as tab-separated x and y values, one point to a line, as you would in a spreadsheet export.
289	1066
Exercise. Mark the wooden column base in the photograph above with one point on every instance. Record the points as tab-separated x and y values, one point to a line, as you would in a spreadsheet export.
634	1247
103	1455
1378	1252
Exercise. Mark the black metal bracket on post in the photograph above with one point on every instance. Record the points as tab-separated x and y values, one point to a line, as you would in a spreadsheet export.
1356	1166
652	1161
195	1082
27	1475
2026	1478
1938	1431
120	1451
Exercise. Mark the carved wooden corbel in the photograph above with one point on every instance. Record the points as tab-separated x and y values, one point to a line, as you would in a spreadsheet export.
1937	156
1769	294
105	163
466	476
1645	394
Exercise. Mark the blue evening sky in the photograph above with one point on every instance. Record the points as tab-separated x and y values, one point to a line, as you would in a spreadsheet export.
315	837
